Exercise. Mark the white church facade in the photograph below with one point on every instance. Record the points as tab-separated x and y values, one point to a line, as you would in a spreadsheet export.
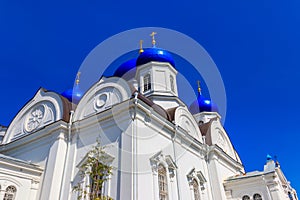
159	148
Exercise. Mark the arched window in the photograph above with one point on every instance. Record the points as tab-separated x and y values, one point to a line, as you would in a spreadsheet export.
257	197
162	182
246	197
10	193
196	190
147	82
172	83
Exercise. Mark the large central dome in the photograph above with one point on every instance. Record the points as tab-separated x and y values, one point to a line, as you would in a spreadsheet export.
155	54
127	69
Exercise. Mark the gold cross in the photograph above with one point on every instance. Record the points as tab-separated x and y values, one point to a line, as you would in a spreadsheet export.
153	38
199	88
78	78
141	47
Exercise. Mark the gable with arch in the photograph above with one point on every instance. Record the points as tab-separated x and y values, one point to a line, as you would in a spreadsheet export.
43	109
219	137
102	96
185	120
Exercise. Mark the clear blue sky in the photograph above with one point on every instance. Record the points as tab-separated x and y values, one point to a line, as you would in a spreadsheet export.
254	43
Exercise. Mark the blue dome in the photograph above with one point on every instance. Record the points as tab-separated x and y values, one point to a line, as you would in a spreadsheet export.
73	95
155	54
126	70
202	104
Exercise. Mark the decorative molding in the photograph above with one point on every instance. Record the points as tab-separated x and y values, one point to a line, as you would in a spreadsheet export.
220	138
166	161
38	116
101	100
221	141
43	109
193	174
186	121
34	118
102	96
108	159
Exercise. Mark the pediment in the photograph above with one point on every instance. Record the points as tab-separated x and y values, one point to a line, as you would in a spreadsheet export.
198	175
43	109
102	96
219	137
185	120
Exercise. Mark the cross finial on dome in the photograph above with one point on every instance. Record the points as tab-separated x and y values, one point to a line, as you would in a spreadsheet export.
199	87
78	78
141	47
153	38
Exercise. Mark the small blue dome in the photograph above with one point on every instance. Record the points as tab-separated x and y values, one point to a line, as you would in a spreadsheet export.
127	69
73	95
202	104
155	54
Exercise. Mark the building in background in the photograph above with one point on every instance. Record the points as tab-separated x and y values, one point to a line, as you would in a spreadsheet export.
159	147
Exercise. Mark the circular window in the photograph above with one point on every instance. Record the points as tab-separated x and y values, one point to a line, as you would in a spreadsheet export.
246	197
257	197
101	100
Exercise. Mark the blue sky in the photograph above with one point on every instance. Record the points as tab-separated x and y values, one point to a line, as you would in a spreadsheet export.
255	45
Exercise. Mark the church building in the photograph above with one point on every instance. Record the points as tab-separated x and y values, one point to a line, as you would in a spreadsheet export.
159	148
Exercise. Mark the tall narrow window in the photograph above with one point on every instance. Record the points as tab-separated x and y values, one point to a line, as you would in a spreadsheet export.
96	181
147	82
196	190
10	193
99	174
95	171
257	197
162	183
172	83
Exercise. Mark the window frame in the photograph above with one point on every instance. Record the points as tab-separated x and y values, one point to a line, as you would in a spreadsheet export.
162	182
147	82
246	197
196	190
10	195
95	179
172	84
159	159
85	185
256	195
